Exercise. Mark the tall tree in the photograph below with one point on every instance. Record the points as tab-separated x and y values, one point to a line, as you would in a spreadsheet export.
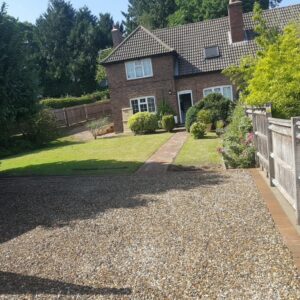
105	25
53	29
152	14
84	46
190	11
18	82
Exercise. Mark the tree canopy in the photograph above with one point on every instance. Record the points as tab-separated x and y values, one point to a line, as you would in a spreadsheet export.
162	13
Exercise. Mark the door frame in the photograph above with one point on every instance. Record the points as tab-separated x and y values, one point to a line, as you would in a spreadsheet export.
178	100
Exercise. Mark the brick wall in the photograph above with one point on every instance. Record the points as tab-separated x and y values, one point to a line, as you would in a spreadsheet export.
163	82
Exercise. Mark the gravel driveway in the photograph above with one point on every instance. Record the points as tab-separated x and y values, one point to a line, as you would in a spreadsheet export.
183	235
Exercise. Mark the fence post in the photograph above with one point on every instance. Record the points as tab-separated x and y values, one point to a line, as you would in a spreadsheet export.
66	117
271	171
86	112
255	136
296	153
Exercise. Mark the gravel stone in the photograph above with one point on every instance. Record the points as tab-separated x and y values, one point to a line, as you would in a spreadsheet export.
180	235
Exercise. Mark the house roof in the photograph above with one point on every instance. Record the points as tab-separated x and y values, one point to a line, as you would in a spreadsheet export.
190	40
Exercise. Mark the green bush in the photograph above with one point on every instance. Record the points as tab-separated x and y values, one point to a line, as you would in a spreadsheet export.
164	108
57	103
198	130
220	130
204	116
219	106
168	122
41	128
95	126
238	149
191	117
143	122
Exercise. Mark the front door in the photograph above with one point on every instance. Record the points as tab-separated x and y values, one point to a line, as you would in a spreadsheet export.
185	101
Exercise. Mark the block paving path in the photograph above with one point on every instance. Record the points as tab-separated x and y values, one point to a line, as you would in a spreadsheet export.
165	155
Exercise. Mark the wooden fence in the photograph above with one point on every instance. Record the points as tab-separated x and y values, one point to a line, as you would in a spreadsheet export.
278	152
70	116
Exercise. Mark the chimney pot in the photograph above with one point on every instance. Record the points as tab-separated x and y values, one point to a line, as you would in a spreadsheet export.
236	22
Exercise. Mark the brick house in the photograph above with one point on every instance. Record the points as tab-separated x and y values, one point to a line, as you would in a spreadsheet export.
182	64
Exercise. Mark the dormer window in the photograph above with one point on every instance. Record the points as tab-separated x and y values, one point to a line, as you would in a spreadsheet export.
139	69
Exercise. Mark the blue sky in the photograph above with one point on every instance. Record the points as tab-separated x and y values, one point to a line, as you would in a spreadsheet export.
30	10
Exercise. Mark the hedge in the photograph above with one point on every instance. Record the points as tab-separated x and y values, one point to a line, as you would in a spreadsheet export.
57	103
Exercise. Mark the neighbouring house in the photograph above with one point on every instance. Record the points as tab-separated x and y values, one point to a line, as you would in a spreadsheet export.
182	64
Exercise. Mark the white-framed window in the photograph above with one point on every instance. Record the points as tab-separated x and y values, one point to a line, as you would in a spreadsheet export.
139	69
225	90
143	104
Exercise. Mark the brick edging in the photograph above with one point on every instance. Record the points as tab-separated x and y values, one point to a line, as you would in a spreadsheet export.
287	230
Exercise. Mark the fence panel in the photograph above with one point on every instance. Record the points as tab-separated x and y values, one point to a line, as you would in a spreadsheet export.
79	114
278	152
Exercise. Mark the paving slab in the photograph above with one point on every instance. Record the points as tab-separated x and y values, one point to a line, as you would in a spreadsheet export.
160	161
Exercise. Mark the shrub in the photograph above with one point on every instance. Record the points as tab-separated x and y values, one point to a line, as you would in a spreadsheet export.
220	130
164	108
41	128
97	125
238	150
57	103
191	117
143	122
168	122
204	116
198	130
219	106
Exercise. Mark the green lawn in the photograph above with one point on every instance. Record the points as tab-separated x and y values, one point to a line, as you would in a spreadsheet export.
200	152
103	156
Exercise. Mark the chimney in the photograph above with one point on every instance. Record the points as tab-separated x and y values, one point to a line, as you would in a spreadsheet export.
116	36
235	13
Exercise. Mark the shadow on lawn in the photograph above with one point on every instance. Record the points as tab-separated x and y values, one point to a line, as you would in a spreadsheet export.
12	283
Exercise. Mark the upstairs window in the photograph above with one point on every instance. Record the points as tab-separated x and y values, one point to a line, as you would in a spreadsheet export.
139	69
143	104
211	52
225	90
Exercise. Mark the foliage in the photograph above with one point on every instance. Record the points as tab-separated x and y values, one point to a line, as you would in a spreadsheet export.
101	71
277	74
57	103
168	122
143	123
190	11
238	150
41	128
18	80
219	106
220	130
164	108
198	130
68	45
191	117
151	14
95	126
204	116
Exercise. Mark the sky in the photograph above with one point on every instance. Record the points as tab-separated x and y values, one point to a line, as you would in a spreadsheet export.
30	10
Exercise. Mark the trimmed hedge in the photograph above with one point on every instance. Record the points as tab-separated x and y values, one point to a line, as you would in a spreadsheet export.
198	130
168	122
143	122
57	103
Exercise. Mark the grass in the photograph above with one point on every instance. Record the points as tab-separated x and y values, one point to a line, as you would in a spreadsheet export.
200	152
117	155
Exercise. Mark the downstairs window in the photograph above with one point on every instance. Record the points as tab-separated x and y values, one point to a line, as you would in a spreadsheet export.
143	104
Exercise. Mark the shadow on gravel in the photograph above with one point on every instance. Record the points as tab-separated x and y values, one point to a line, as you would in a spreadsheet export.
51	202
12	283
